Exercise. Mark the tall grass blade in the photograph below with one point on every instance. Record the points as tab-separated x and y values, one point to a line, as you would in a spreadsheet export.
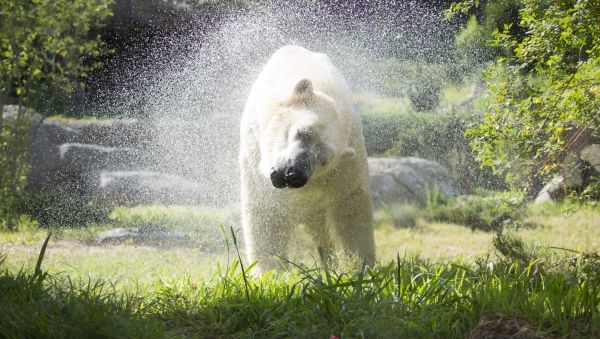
325	265
38	265
235	244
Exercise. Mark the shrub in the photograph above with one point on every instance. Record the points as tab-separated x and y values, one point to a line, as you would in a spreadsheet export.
488	211
52	209
392	129
398	216
512	248
11	221
544	98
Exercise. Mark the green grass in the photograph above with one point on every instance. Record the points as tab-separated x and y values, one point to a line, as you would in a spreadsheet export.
446	281
207	228
36	304
406	298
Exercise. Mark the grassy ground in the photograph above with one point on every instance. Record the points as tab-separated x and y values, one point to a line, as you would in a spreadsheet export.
439	287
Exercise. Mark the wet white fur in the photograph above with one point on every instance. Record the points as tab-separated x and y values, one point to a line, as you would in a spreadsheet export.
335	205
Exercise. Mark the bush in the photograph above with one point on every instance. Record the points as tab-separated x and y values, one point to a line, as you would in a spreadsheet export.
544	98
420	82
398	216
513	248
487	211
15	123
11	221
392	129
51	209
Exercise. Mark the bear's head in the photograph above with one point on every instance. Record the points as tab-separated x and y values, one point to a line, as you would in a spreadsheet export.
303	138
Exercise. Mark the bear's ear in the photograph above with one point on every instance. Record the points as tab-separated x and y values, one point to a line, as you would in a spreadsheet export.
303	89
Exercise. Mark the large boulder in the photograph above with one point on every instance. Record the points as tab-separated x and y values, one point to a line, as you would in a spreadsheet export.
591	154
93	158
577	171
69	154
112	132
407	180
44	154
127	161
555	189
44	137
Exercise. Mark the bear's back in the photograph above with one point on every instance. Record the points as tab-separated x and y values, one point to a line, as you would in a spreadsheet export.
289	65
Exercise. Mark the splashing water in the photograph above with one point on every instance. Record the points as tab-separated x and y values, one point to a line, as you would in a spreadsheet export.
195	96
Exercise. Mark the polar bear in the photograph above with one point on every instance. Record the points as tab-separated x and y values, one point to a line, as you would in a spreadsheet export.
303	161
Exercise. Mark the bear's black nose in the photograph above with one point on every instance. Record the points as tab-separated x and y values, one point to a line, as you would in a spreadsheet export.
278	179
295	177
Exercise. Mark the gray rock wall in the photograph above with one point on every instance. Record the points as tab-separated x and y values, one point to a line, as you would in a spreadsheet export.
131	162
407	180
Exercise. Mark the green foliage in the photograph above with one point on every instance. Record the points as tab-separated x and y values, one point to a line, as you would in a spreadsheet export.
473	52
60	210
15	123
472	47
589	193
46	47
434	198
546	96
461	7
11	221
398	215
425	84
392	129
512	248
420	82
488	211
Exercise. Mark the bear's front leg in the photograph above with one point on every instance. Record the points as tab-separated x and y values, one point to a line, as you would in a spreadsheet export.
266	233
352	221
315	223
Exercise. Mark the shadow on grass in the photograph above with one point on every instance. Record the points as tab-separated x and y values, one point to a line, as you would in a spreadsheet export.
38	305
407	298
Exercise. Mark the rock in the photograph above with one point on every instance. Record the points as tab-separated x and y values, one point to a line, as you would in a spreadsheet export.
94	158
127	161
74	151
146	187
139	236
553	190
117	234
573	171
44	158
112	132
406	180
591	154
78	168
577	172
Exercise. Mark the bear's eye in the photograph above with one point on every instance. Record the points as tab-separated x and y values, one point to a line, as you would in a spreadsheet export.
304	135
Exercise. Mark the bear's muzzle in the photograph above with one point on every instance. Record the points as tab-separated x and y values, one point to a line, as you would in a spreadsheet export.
293	176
